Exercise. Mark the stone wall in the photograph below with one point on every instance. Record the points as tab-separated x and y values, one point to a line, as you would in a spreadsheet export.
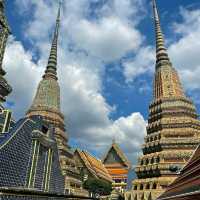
25	194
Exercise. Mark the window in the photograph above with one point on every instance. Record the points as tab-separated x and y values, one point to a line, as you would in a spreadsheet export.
117	180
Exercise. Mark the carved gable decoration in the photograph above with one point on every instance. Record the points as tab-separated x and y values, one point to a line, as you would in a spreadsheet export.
116	156
113	157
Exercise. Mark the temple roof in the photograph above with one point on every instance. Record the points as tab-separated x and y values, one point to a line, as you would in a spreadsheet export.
116	149
17	156
188	182
94	165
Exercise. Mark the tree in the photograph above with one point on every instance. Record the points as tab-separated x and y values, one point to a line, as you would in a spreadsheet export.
98	186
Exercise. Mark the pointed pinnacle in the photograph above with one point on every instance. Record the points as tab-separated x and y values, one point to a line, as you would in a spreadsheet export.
52	62
155	10
161	52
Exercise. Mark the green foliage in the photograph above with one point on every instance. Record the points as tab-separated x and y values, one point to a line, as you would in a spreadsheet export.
98	186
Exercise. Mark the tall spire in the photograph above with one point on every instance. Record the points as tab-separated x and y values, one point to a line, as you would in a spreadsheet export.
52	62
167	82
48	92
161	52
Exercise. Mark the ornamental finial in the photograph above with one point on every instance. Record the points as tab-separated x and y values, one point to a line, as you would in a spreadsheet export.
52	62
161	52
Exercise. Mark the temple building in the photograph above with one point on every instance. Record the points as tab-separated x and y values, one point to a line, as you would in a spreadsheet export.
91	167
47	104
118	167
173	130
187	185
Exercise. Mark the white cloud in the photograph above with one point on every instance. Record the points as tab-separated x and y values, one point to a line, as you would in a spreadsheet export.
140	64
85	44
125	10
128	131
22	74
185	52
109	39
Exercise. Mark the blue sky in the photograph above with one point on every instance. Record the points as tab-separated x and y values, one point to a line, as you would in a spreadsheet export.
106	63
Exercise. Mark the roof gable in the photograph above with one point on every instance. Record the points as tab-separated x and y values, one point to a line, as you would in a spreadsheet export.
115	155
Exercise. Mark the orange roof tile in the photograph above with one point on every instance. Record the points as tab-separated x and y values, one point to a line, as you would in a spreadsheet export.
118	171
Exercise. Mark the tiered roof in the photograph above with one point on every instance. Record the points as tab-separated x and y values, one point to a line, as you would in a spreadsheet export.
94	165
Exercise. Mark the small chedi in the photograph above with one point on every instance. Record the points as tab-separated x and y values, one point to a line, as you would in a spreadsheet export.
173	130
118	167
